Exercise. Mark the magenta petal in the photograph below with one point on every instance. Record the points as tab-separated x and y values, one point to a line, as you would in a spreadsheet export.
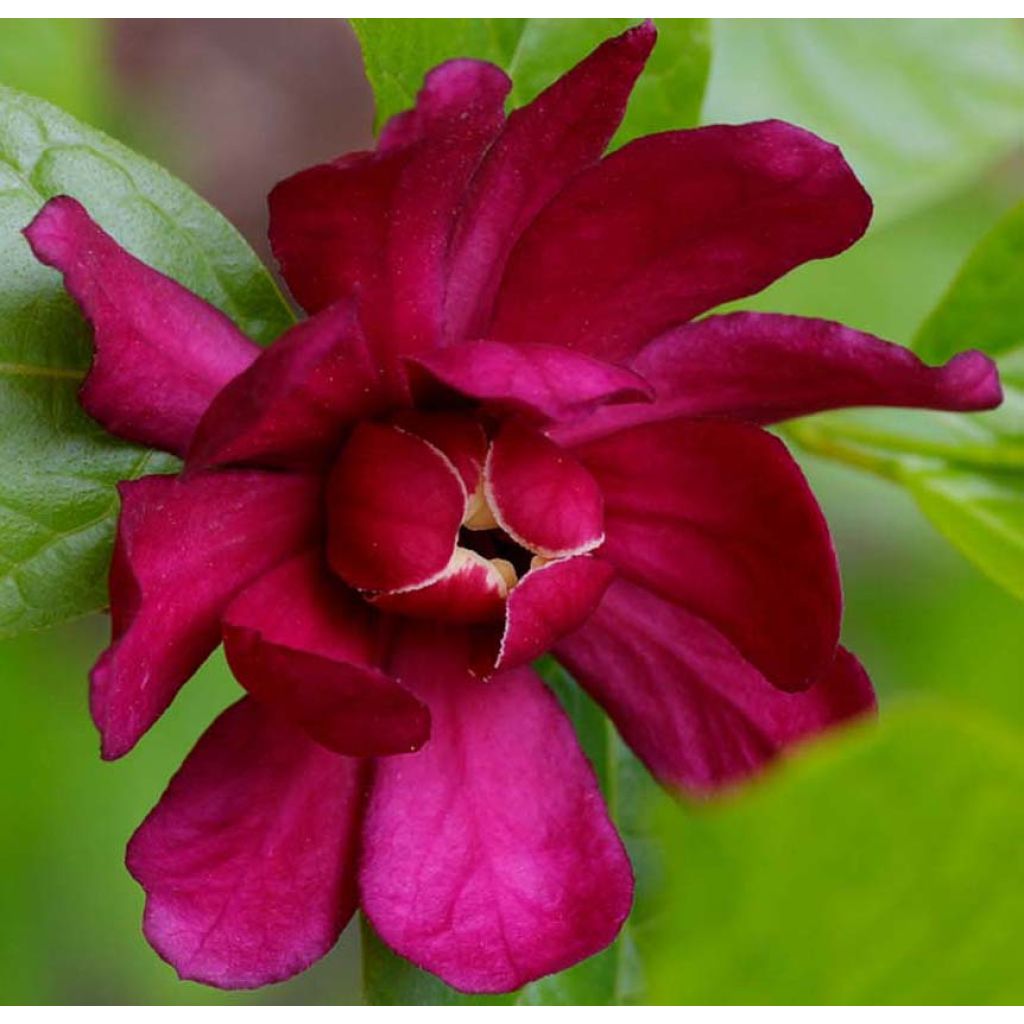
161	353
548	603
248	861
488	856
718	518
671	225
305	645
544	145
379	224
394	505
546	382
184	548
541	495
471	590
766	367
294	403
458	435
694	710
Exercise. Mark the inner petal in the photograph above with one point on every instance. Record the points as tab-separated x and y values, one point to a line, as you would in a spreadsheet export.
394	506
540	495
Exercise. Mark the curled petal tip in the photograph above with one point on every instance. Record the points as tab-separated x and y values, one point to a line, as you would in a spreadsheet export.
973	381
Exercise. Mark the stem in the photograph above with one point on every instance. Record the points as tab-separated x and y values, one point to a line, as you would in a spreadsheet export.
819	441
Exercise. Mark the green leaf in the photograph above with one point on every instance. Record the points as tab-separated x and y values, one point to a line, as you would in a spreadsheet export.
919	107
984	306
60	60
982	514
534	52
881	868
57	498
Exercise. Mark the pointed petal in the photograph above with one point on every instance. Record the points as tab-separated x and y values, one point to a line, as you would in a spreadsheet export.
394	506
693	709
717	518
294	403
766	367
672	225
488	856
184	548
379	224
248	861
305	645
545	382
161	353
544	145
541	495
549	602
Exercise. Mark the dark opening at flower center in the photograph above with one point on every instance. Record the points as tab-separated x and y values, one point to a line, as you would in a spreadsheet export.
497	546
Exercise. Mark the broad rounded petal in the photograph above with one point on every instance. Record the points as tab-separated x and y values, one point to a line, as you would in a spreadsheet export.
541	495
695	711
672	225
472	590
718	518
459	435
549	602
305	645
161	353
544	382
394	505
766	367
379	224
184	548
249	859
544	144
488	856
294	403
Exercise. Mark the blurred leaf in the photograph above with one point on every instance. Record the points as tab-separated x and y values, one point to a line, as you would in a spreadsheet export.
882	868
982	514
984	306
918	106
60	60
57	498
534	52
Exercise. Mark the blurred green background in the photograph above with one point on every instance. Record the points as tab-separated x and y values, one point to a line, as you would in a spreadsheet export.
934	120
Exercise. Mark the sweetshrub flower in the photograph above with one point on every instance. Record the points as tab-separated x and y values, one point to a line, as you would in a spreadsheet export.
500	432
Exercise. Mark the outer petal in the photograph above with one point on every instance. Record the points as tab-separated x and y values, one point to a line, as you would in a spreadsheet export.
395	503
718	518
380	224
248	861
161	353
183	549
305	645
295	402
546	382
549	602
765	367
670	226
543	146
687	702
488	856
541	495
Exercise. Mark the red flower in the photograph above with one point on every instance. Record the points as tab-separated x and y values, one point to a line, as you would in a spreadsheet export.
500	432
